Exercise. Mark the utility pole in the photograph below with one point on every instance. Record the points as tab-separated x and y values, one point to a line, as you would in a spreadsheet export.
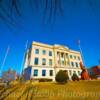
5	57
22	64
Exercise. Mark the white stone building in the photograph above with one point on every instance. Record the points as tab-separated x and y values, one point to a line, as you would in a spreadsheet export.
44	61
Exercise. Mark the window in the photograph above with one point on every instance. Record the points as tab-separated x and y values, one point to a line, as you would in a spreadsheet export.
72	64
43	72
76	64
35	72
74	57
74	72
51	72
44	52
36	61
50	62
43	61
78	58
50	53
79	73
71	56
36	51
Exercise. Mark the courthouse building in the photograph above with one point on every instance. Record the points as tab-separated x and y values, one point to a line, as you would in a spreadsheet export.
43	61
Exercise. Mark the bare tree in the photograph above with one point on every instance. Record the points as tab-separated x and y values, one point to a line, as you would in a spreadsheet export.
9	7
8	76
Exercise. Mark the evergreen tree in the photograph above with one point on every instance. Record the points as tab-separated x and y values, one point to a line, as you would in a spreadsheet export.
61	77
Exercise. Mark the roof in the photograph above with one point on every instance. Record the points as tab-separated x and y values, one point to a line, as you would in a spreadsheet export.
56	46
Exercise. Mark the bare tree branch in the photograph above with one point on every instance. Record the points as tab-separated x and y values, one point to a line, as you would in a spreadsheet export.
51	8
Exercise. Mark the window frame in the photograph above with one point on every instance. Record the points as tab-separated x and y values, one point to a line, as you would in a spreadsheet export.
72	64
79	58
51	72
43	72
35	74
44	62
50	62
36	62
76	64
50	53
44	52
36	51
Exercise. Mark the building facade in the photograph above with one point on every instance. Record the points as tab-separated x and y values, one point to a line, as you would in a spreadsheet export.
44	61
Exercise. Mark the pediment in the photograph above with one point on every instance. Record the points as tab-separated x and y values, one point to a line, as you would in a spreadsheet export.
61	47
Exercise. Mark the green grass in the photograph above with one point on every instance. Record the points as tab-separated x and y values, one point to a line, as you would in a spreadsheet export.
82	90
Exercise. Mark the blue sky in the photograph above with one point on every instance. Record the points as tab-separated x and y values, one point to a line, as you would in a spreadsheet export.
80	21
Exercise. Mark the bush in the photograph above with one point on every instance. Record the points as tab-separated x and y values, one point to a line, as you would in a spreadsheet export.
45	80
93	76
61	77
75	77
22	79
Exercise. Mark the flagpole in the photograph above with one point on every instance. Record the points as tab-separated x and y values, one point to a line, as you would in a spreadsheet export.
21	71
5	57
81	53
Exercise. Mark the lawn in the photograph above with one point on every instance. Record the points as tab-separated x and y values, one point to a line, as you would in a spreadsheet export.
82	90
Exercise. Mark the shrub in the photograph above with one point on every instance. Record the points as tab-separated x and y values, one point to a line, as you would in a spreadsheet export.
45	80
61	77
22	79
93	76
75	77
